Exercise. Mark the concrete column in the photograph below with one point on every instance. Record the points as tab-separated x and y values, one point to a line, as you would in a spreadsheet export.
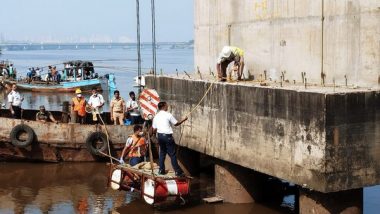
236	184
348	202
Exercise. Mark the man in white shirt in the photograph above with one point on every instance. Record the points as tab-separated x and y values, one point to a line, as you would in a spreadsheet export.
15	101
162	123
133	109
38	74
96	102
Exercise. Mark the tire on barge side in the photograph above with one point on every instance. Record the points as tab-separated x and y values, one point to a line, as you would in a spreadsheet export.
15	134
97	142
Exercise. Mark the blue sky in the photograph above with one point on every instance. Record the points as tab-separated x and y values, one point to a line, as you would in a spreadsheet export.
94	20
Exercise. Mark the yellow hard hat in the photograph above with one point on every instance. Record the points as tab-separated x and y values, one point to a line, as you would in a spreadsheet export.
78	91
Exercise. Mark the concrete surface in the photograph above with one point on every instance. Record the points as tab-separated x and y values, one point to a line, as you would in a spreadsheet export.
338	38
346	202
234	185
323	141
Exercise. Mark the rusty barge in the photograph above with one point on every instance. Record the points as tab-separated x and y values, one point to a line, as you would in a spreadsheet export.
29	140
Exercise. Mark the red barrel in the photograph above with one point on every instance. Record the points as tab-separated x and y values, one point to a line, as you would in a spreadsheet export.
162	190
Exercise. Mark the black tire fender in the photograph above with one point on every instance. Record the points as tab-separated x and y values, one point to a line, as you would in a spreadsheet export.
92	143
17	130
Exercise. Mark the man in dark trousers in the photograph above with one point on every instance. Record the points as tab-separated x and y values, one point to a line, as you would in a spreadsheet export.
162	123
15	101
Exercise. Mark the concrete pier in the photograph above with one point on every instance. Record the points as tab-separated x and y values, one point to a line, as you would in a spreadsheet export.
318	139
321	140
238	185
232	185
323	135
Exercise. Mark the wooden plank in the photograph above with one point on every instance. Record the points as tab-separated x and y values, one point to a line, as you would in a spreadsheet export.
214	199
148	173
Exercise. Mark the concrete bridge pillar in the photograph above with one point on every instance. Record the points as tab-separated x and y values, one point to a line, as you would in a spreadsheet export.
236	184
347	202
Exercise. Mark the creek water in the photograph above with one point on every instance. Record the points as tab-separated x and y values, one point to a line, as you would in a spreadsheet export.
121	62
82	187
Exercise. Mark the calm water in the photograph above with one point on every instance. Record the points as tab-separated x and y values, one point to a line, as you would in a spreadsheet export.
121	62
81	188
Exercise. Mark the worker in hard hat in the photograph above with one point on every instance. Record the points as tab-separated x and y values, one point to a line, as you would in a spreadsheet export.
227	55
78	107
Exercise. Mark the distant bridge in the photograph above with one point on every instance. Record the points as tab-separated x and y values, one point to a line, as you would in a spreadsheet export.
73	46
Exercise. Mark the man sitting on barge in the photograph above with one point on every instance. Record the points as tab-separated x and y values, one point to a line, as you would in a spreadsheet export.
45	116
135	146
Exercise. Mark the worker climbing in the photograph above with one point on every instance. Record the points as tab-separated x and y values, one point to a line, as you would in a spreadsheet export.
227	55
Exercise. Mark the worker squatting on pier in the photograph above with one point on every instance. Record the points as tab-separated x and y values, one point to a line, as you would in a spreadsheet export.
162	123
229	54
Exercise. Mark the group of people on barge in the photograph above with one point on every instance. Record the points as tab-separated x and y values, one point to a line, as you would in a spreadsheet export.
136	145
121	112
119	109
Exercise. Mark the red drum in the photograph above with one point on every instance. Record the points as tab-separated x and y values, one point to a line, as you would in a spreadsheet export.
160	191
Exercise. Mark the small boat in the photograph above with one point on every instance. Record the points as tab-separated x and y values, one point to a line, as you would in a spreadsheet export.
30	140
75	74
67	86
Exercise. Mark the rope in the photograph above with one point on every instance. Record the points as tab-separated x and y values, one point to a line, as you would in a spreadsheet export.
200	101
108	137
193	109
